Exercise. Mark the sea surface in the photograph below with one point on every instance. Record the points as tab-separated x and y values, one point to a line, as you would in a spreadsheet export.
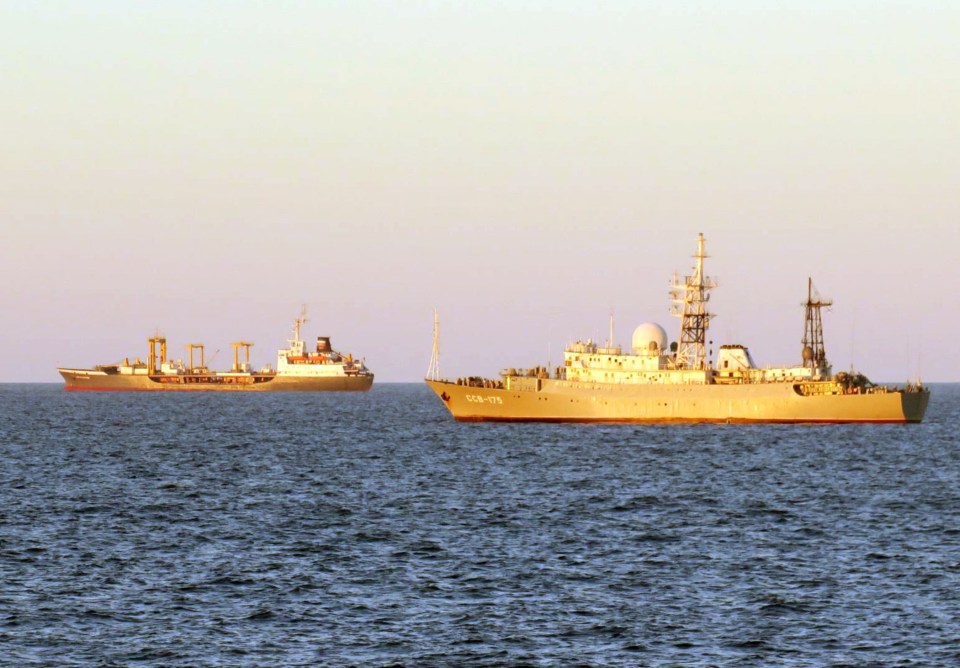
373	530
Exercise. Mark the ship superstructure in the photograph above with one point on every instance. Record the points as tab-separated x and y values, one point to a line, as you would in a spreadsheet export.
657	382
297	369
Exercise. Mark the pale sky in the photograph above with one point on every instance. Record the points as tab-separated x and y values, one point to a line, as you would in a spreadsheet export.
525	167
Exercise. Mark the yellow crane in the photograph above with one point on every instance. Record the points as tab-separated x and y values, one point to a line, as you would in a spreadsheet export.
190	349
246	345
155	342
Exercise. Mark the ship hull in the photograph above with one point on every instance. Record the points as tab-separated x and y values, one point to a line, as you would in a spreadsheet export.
95	380
546	400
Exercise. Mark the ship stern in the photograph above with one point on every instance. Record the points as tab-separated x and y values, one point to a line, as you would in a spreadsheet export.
914	403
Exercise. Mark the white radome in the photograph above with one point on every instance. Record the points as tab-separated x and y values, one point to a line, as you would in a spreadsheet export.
649	339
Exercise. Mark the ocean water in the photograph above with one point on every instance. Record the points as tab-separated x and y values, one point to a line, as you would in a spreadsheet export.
373	530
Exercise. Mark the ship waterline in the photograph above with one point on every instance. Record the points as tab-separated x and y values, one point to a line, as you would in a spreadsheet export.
94	380
546	400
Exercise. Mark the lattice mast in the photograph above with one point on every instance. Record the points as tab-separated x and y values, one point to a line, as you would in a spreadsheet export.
433	371
814	353
690	296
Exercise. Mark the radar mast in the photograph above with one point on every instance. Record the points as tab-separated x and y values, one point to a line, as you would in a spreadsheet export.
690	296
814	353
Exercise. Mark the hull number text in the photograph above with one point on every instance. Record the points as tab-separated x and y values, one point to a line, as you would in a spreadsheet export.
477	399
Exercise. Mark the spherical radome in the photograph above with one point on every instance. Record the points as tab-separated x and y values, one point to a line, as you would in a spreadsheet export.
649	339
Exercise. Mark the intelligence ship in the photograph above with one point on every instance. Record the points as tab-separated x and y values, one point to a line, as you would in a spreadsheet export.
297	370
656	383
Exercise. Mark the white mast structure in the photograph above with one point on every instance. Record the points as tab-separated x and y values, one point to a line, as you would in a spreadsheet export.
296	344
690	296
433	371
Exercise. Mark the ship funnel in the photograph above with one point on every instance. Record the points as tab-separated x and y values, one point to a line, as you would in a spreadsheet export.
323	344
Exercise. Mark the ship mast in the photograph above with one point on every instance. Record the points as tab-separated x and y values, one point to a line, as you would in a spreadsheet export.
433	371
690	296
296	345
814	353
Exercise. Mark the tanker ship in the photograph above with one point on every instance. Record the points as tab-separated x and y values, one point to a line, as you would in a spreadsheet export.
655	382
298	370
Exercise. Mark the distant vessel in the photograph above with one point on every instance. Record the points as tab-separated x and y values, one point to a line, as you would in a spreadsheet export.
297	370
657	383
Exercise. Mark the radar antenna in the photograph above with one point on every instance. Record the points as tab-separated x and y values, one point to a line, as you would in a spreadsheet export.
433	371
814	353
690	295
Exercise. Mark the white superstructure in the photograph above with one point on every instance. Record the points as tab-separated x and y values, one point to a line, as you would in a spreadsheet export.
323	362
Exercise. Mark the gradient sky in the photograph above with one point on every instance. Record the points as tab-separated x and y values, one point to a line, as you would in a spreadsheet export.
203	168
